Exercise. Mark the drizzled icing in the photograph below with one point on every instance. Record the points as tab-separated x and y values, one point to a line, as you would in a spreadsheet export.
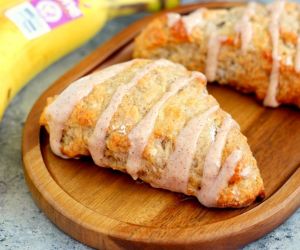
277	8
213	183
190	21
215	178
139	136
213	48
195	19
61	108
213	159
172	19
246	171
212	165
96	143
245	27
176	174
297	62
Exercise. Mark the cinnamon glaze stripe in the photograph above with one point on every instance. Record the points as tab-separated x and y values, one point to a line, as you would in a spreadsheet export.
139	136
212	186
213	49
215	178
195	19
276	10
96	143
244	28
212	163
172	19
176	174
61	108
214	155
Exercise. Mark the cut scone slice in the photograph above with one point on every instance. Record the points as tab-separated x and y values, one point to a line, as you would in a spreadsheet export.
155	121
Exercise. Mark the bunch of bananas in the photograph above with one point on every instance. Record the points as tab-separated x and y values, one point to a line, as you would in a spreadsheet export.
23	55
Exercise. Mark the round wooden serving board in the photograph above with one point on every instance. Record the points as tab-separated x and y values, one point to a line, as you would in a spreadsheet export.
106	209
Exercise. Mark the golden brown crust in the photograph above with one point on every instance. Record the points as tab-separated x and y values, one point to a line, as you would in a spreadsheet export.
248	72
177	111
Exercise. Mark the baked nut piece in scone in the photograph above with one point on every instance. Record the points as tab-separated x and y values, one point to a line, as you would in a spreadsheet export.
254	48
155	121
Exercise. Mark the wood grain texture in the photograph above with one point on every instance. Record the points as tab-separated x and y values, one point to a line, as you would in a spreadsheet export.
106	209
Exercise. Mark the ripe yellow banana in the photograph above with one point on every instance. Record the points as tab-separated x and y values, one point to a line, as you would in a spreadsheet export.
28	45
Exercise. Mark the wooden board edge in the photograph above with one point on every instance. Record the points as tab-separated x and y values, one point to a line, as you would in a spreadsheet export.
246	227
292	202
271	218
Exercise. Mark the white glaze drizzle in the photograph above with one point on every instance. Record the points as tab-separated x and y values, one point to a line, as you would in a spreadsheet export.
212	163
194	19
96	142
176	174
173	18
277	8
289	61
245	27
212	185
139	136
246	171
60	109
297	62
214	155
213	49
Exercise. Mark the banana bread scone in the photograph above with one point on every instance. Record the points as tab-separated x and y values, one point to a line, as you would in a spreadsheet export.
155	121
254	48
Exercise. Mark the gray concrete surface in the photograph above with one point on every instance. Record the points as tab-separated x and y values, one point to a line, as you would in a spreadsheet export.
22	224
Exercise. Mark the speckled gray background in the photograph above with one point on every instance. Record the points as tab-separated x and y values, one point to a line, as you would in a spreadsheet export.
22	224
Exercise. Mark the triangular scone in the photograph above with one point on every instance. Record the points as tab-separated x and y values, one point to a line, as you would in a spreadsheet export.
156	121
254	48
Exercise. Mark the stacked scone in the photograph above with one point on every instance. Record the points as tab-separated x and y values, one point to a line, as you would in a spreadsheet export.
154	120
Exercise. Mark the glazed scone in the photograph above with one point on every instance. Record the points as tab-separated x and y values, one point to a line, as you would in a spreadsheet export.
254	48
155	121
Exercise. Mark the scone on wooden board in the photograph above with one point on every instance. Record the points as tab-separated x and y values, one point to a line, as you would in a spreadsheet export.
254	48
154	120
